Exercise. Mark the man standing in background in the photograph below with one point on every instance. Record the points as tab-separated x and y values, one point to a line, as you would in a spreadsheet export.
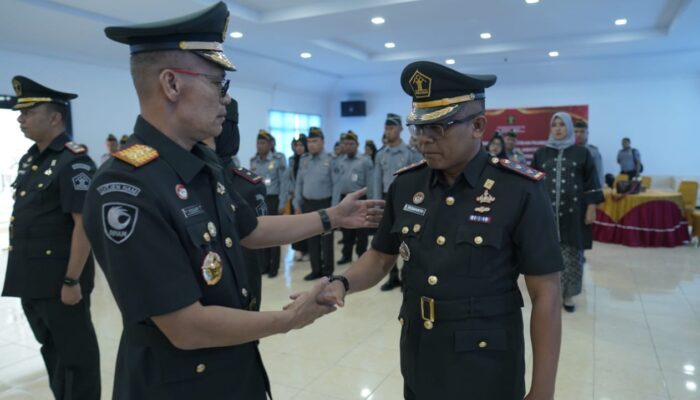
354	173
314	190
49	265
513	153
271	167
112	145
392	157
629	159
581	134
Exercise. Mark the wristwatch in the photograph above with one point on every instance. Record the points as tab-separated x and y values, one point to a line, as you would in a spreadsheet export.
341	278
325	220
70	281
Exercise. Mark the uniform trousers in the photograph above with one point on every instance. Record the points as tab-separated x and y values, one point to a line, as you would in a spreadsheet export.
354	237
321	254
68	346
271	255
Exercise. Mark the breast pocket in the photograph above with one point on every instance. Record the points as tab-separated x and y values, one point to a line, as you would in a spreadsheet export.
409	231
478	246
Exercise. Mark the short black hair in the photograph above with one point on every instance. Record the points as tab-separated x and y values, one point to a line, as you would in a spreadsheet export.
627	139
581	124
59	108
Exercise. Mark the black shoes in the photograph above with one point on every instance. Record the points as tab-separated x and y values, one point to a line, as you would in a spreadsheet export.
344	260
272	274
313	276
390	284
569	308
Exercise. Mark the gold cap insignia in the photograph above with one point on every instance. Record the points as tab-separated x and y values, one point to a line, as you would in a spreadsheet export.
17	86
486	198
421	85
212	268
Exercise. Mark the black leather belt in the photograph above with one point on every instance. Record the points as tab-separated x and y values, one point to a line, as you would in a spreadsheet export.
429	309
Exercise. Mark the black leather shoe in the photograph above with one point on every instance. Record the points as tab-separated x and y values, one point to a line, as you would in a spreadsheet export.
569	308
312	276
344	260
390	284
272	274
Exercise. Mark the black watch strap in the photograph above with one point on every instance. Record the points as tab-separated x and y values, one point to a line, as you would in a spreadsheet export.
341	278
70	281
325	221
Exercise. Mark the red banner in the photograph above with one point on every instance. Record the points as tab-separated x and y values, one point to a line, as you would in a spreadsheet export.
531	124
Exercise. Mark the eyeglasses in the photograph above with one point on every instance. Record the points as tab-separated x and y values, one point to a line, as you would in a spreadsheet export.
435	131
223	83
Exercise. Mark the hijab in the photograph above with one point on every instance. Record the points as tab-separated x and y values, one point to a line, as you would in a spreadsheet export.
569	140
502	154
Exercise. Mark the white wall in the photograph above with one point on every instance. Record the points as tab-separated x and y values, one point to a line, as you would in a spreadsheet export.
107	101
660	115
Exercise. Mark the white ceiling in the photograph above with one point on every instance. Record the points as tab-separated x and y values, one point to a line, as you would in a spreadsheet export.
662	37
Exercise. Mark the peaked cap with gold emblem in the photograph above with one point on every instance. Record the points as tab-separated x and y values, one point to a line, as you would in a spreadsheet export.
315	132
438	91
202	33
30	94
265	135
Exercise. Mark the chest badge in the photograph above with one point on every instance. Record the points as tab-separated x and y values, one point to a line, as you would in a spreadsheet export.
53	163
418	198
211	228
271	166
488	185
220	189
48	172
404	251
482	209
486	198
181	191
481	219
212	268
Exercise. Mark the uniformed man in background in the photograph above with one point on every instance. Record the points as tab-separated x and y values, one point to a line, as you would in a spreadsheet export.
512	151
49	266
167	231
314	191
251	188
466	225
272	168
354	173
393	156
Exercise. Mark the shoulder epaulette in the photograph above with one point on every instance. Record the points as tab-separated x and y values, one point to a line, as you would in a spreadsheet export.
411	167
247	174
518	168
75	148
137	154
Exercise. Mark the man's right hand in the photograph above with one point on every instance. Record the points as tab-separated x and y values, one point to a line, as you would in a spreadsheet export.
305	309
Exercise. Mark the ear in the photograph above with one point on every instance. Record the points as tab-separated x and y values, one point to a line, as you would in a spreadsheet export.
170	84
56	118
479	124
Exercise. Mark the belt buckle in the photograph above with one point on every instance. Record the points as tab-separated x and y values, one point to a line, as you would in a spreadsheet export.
431	308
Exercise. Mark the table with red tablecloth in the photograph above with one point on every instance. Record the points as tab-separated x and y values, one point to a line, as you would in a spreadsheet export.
649	219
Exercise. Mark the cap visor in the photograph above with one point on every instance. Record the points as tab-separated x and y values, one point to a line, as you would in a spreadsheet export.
422	116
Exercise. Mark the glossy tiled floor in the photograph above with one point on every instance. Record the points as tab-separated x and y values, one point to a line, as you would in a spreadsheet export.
635	335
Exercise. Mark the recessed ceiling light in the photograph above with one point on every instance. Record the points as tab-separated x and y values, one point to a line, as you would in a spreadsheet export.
389	45
378	20
532	1
305	55
236	35
621	21
554	54
450	61
485	35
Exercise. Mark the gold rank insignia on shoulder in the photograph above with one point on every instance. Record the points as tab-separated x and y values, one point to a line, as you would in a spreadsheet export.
75	148
246	174
519	169
411	167
212	268
486	198
137	155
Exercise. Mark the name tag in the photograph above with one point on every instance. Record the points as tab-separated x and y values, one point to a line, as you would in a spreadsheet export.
414	210
354	177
